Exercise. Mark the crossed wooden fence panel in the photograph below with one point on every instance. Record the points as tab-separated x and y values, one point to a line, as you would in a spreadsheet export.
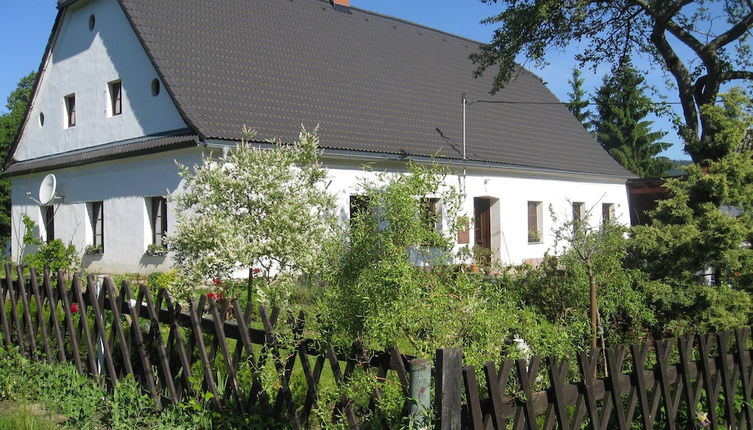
167	347
107	333
696	381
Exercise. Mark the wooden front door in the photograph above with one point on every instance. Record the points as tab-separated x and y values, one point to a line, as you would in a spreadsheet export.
482	231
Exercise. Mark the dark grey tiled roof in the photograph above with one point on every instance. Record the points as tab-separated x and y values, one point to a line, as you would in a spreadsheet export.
147	145
371	82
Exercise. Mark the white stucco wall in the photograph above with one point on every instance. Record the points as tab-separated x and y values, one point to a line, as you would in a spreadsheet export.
82	62
512	191
124	185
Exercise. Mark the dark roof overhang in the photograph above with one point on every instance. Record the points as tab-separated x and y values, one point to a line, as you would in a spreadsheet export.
111	151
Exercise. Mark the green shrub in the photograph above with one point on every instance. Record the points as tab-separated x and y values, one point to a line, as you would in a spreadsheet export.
375	292
53	255
59	388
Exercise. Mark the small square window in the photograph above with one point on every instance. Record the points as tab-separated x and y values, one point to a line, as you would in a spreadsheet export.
70	110
116	97
158	219
534	222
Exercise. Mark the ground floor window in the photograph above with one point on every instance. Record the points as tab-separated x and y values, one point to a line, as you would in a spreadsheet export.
97	222
48	218
158	219
534	222
607	212
579	211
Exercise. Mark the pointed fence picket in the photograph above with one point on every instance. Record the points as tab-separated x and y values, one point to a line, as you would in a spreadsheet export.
167	347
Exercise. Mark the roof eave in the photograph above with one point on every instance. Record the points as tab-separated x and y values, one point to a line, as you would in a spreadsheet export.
156	144
367	156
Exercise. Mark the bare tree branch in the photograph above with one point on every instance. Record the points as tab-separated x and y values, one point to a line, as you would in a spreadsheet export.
681	75
736	74
733	33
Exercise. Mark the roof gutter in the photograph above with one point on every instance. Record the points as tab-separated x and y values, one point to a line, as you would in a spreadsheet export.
351	155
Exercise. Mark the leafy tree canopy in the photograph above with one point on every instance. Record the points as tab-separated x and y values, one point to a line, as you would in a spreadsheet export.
9	123
263	208
706	52
621	127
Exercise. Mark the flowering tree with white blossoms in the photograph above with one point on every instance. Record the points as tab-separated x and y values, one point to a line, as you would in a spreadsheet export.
261	208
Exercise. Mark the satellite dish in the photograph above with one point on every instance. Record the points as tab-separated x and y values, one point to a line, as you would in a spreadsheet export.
47	189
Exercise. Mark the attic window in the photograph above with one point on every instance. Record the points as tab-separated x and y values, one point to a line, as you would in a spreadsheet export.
41	119
70	110
116	97
92	21
155	87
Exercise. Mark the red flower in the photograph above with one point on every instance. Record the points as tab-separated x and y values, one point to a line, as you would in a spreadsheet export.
74	307
211	296
256	270
217	281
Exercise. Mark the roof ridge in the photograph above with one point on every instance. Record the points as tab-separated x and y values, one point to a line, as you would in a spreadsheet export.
415	24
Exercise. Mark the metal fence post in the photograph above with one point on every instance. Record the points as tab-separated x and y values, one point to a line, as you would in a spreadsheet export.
420	391
449	367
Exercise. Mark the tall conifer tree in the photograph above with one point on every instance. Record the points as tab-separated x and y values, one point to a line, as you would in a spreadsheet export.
578	103
622	127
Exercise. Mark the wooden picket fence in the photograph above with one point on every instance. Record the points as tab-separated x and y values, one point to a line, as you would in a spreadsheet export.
161	344
696	381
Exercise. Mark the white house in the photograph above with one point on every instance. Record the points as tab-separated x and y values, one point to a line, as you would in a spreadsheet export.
128	87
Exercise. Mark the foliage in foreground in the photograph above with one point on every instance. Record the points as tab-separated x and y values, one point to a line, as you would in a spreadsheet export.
376	293
60	389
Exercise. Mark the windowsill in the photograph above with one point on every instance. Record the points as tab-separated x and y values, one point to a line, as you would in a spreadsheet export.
94	255
535	243
155	254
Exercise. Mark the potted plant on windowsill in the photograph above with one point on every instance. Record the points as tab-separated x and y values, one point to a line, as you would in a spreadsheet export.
534	236
156	250
94	250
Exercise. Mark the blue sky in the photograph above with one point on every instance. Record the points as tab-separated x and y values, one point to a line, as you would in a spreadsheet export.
25	26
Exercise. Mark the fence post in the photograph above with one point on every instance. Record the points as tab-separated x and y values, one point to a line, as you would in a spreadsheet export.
449	366
420	391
